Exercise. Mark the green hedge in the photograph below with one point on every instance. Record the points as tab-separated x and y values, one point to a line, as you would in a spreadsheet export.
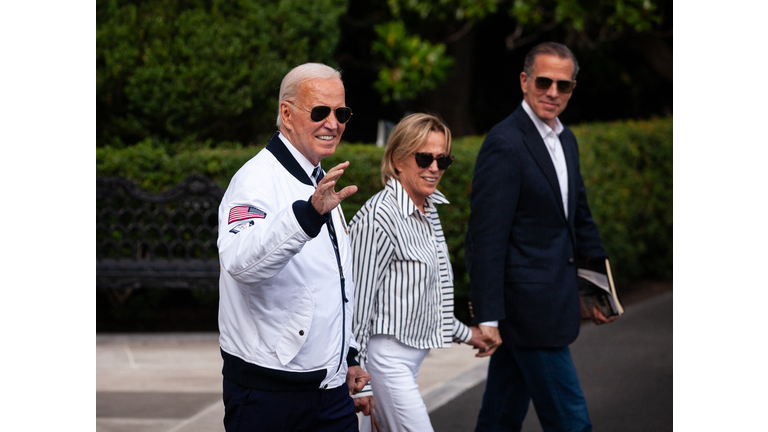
195	70
627	168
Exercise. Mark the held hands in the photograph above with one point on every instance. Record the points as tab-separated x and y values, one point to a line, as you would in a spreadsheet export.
477	339
325	197
490	340
357	378
484	340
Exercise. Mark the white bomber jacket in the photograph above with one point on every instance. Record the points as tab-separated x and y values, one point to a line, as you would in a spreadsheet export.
285	305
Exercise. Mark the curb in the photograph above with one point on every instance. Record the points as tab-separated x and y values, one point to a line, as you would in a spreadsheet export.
440	396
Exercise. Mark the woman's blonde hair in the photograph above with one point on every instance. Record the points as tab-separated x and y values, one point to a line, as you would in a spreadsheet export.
407	137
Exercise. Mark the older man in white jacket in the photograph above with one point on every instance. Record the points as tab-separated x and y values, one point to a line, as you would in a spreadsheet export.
286	289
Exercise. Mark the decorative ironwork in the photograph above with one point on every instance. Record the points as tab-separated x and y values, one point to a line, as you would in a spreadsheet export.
166	240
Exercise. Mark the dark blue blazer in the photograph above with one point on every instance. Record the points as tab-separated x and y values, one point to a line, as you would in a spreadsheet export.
521	250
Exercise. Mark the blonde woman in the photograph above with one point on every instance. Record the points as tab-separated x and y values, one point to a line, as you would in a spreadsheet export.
403	274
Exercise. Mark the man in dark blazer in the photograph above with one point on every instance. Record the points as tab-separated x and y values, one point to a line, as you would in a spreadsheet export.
529	226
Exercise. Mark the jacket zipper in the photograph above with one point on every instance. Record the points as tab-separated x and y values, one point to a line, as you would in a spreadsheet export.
335	244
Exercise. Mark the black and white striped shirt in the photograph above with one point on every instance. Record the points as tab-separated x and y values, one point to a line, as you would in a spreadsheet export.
403	275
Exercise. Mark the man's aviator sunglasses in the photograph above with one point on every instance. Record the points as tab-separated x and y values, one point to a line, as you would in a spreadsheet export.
320	113
543	83
424	160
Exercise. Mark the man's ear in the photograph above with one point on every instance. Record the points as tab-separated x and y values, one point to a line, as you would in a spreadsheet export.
523	82
285	115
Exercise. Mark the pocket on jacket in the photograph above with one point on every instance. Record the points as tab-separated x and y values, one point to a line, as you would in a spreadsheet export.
296	328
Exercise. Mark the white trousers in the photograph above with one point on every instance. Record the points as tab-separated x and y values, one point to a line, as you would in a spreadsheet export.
393	367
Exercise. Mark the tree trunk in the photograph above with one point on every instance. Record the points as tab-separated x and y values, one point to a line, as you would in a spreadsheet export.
452	101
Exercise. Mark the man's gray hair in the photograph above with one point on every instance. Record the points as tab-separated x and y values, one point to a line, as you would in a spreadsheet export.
289	88
553	49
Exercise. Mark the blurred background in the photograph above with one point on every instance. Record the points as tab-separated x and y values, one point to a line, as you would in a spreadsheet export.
208	71
191	87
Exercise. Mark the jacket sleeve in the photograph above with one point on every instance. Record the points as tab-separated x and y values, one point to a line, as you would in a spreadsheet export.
495	192
255	249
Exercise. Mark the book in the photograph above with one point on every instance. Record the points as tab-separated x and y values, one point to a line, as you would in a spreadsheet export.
596	288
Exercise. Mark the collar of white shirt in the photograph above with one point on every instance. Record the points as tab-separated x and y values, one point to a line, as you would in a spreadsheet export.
542	127
305	164
405	202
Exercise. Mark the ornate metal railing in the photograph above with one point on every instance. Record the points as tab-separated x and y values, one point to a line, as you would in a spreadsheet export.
166	240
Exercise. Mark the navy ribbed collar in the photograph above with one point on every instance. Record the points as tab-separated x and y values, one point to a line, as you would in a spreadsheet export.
284	156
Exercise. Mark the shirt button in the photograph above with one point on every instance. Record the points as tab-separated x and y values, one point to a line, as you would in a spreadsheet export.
301	332
325	386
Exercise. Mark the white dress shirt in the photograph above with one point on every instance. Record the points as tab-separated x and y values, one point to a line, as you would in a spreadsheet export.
555	148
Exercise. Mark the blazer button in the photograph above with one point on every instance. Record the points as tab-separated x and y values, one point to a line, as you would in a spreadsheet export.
301	332
570	261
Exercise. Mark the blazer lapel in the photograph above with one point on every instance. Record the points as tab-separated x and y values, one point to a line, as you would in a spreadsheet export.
538	149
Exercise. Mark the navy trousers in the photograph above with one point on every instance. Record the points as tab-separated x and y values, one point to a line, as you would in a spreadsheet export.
517	375
250	410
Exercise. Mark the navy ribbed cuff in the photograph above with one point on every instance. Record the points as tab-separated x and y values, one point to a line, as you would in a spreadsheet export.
310	220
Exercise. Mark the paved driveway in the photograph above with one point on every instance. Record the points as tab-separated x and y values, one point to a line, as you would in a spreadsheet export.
625	370
172	382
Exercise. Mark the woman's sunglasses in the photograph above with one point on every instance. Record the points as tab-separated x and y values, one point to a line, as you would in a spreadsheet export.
320	113
543	83
424	160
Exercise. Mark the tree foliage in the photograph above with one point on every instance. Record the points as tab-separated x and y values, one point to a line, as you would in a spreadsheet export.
412	40
184	70
586	22
411	64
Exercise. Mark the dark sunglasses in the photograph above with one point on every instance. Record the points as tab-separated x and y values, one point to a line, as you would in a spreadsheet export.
563	86
320	113
424	160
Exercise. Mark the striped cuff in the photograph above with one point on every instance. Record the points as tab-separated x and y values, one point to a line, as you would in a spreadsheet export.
366	391
462	333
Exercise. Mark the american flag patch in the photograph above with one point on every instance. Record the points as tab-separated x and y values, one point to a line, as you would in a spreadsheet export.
245	212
